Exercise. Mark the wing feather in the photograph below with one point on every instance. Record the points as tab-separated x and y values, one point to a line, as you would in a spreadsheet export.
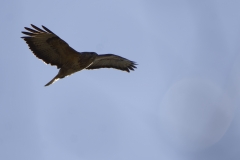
112	61
31	30
47	46
48	30
35	27
29	34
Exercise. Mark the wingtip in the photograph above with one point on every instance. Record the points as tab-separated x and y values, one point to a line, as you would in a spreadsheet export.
134	63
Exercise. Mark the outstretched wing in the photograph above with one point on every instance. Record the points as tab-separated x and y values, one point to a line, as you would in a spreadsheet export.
47	46
112	61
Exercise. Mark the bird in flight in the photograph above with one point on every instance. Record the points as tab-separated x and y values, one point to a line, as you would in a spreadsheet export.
50	48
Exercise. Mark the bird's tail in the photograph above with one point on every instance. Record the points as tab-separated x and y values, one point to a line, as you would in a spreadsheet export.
52	81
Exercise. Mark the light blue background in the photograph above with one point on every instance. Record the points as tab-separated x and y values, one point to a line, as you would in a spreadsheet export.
181	103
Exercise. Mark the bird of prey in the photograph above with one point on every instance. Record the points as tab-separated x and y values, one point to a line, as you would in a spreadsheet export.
50	48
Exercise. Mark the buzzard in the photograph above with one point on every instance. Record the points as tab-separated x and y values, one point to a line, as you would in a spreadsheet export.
50	48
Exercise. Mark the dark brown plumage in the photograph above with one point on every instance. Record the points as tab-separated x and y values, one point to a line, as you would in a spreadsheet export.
50	48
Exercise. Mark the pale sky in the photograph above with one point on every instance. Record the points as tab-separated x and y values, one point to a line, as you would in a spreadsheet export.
181	103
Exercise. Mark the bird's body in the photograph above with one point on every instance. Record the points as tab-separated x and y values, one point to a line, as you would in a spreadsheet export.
53	50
